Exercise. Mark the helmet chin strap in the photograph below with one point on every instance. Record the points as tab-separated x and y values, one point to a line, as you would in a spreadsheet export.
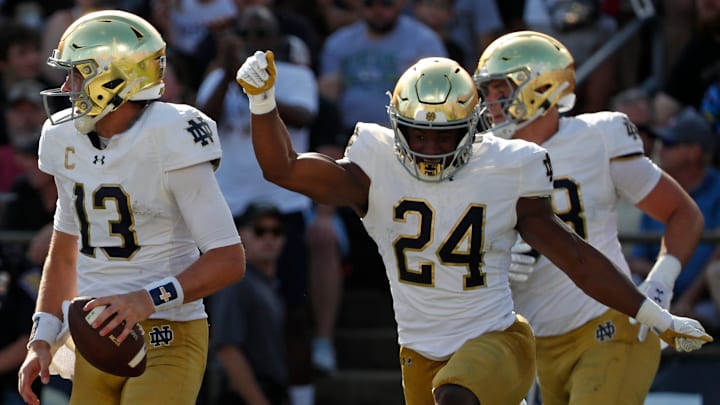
86	124
509	130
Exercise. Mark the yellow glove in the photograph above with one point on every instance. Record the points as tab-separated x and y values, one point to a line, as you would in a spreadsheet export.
257	74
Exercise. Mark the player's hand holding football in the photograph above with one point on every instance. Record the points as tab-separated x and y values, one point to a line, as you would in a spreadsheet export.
257	78
131	308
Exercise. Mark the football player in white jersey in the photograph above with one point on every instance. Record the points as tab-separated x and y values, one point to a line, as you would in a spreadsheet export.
587	353
137	205
444	207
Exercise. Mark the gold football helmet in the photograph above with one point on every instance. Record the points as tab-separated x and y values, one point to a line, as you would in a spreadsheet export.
435	93
111	57
539	71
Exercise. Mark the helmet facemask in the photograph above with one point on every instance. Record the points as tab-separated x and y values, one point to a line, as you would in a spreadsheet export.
433	167
110	57
435	94
537	70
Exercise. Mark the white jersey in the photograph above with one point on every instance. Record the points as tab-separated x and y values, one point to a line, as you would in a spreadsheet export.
586	198
130	229
446	245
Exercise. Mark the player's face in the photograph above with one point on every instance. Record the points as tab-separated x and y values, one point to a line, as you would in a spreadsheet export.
675	157
432	141
73	82
493	91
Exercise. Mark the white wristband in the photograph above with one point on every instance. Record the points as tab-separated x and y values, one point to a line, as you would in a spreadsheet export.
262	103
665	270
46	326
166	293
652	315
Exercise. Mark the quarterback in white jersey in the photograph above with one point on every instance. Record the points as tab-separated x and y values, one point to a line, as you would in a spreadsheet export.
140	223
597	159
444	207
119	204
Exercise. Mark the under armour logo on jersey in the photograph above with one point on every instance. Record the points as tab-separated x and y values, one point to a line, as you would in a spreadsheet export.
161	337
605	331
548	167
200	131
99	159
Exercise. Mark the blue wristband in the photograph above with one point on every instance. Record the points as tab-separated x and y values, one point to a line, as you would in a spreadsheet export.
166	293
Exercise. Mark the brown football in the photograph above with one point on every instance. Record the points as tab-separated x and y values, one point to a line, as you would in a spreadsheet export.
126	359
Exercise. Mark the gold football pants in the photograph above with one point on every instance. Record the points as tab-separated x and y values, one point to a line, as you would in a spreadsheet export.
177	354
601	362
498	367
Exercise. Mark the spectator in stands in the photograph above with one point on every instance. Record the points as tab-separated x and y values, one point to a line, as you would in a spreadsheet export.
24	116
687	145
296	28
57	23
20	59
325	16
177	81
28	13
476	24
33	13
328	244
696	67
240	177
248	318
710	109
33	192
438	14
511	13
18	291
190	28
360	63
677	22
636	103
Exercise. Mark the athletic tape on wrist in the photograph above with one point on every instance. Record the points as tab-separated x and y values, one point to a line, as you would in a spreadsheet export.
166	293
665	270
262	103
46	326
652	315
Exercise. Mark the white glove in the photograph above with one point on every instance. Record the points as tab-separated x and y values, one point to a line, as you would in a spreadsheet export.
683	334
522	262
658	286
257	76
658	292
